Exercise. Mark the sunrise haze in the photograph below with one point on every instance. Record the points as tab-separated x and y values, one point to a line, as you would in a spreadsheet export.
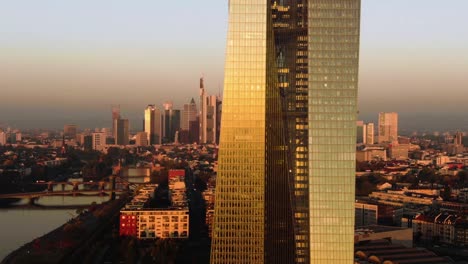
70	61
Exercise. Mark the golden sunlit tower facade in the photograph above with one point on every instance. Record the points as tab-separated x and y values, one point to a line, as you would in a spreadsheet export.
152	124
316	59
253	215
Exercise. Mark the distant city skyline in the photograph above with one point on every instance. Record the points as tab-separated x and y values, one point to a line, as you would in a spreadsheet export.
70	62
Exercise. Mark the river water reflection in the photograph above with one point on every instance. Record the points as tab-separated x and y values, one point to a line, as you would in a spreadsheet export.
21	223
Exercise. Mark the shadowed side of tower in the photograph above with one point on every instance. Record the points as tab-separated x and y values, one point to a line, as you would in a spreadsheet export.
290	31
279	219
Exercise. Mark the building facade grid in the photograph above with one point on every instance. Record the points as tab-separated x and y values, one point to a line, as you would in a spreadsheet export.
333	38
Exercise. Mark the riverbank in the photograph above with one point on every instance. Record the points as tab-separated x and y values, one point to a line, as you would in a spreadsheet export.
58	245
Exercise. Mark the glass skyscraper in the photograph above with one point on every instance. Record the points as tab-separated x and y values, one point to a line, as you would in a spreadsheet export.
285	186
152	124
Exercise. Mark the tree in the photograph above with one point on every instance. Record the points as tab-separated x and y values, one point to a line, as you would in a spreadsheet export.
131	254
364	187
462	178
428	175
446	193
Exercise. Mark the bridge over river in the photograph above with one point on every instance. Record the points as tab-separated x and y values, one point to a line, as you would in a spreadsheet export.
35	195
104	188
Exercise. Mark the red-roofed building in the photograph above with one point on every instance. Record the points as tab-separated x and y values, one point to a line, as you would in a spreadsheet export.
443	227
128	225
178	175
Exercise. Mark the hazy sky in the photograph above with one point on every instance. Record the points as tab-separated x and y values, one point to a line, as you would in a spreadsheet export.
68	61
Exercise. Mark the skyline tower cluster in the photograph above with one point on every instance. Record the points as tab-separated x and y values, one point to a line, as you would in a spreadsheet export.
285	185
295	177
387	130
168	125
365	133
161	125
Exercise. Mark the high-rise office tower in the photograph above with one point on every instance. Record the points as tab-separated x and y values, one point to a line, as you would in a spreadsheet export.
219	107
189	115
291	44
141	139
115	116
69	131
121	131
171	122
253	213
175	123
88	142
458	140
210	127
3	138
365	133
388	127
448	138
98	140
315	45
153	124
208	116
369	135
14	137
361	131
202	114
194	134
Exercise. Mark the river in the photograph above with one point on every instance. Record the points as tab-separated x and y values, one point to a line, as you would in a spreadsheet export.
22	223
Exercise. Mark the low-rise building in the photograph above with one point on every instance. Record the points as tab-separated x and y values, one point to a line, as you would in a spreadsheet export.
154	223
136	219
209	197
365	214
402	197
463	195
399	151
372	213
55	162
385	251
399	235
371	153
453	207
439	228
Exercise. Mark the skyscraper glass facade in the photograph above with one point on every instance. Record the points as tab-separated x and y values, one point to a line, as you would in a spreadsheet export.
152	124
285	187
238	234
333	44
290	32
388	127
253	219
